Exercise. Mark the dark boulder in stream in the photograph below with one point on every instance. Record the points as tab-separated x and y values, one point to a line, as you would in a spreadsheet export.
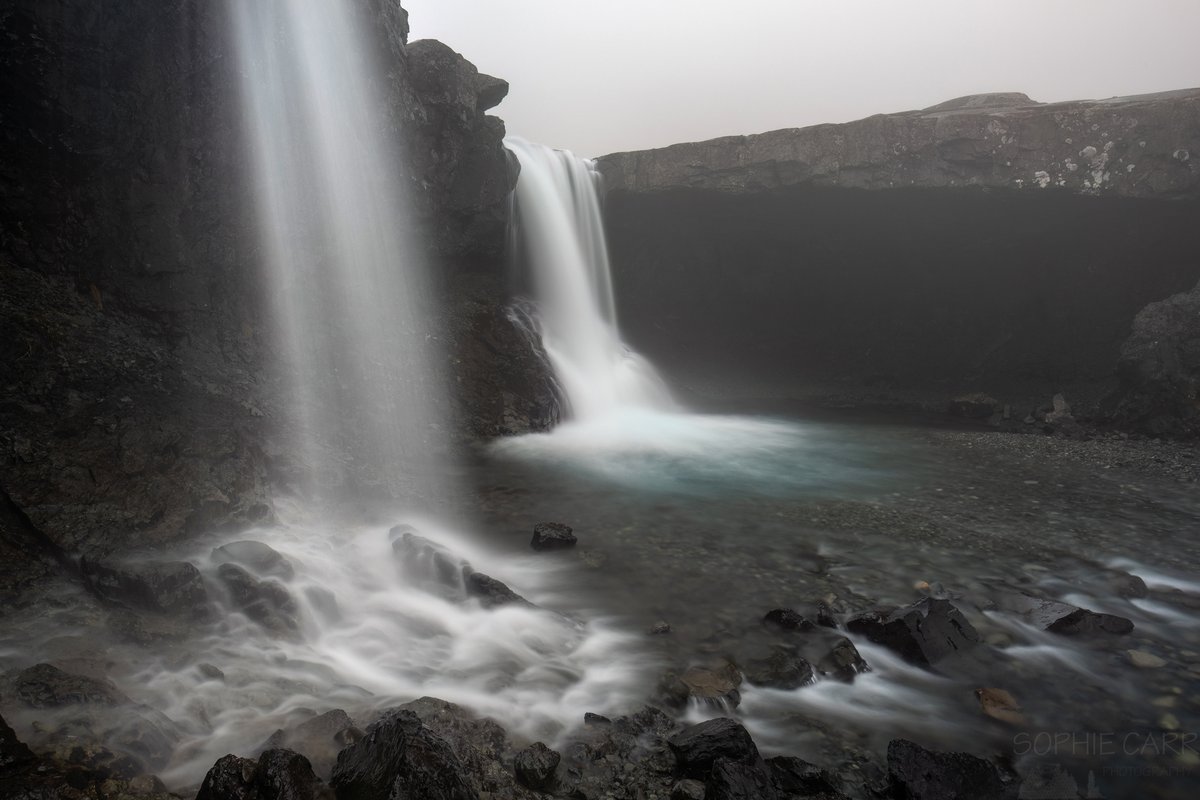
1063	618
552	536
915	773
924	633
399	758
275	775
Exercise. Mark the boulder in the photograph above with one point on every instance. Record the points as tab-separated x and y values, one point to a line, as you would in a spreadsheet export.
687	789
1063	618
715	685
794	776
923	633
276	775
782	669
552	536
261	559
319	739
915	773
266	602
47	686
490	592
428	564
535	765
174	588
843	662
698	747
1159	368
736	780
787	620
400	758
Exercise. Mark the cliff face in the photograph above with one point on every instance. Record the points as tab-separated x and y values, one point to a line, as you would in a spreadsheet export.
134	359
986	244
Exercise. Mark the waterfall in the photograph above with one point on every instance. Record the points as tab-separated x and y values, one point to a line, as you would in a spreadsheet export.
561	234
347	287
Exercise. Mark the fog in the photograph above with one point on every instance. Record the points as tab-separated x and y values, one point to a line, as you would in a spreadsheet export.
632	74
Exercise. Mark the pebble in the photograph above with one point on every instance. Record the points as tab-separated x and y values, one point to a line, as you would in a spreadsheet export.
1144	660
1169	722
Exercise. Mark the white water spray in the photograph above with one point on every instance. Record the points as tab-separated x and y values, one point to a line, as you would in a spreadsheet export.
562	232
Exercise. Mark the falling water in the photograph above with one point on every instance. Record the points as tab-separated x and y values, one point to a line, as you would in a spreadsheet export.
348	290
562	233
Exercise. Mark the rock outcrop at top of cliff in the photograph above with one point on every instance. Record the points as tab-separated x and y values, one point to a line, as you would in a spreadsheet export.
1140	146
987	244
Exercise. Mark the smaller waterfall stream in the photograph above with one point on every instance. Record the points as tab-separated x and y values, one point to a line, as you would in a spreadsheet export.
562	232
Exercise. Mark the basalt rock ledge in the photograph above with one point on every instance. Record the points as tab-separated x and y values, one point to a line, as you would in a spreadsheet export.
989	244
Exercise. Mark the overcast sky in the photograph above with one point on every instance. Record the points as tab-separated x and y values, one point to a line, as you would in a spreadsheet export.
602	76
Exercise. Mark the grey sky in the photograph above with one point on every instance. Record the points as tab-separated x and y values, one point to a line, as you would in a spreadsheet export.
598	77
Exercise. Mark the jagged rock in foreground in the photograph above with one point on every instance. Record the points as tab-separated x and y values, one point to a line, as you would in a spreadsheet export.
990	245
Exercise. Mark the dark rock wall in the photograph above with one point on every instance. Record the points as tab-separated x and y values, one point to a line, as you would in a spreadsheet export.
138	402
873	261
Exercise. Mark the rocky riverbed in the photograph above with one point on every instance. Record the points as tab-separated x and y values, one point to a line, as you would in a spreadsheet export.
919	591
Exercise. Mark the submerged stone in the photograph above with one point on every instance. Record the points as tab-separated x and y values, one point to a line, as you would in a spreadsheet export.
552	536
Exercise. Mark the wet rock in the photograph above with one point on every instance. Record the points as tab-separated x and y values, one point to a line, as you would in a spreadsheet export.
715	686
595	719
492	593
319	739
552	536
400	757
999	704
825	616
174	588
1062	618
923	633
794	776
687	789
973	406
736	780
276	775
428	564
915	773
210	672
261	559
480	744
13	751
698	747
783	669
659	628
843	662
535	765
1144	660
266	602
1128	586
47	686
787	620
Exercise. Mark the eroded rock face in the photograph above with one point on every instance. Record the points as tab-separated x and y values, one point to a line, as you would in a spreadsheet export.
1160	368
911	258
